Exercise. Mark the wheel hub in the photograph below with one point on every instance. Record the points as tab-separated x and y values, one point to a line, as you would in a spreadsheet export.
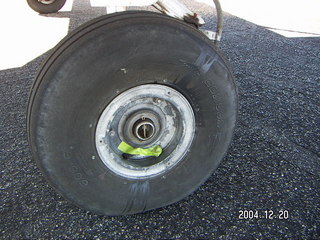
145	116
140	127
144	129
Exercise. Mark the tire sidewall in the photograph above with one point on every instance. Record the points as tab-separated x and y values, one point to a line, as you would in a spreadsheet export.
64	133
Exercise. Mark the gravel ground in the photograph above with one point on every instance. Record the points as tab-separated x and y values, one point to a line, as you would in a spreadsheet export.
272	165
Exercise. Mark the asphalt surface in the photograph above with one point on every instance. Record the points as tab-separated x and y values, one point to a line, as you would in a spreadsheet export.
272	165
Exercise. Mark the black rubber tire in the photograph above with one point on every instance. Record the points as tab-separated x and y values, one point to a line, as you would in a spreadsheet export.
83	75
46	8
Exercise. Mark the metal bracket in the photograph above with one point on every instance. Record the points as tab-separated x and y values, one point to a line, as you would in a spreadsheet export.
176	9
173	8
213	36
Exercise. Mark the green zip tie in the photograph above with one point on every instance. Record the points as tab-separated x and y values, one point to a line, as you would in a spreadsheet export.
152	151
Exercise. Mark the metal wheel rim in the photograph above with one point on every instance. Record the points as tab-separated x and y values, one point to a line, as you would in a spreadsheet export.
170	113
46	2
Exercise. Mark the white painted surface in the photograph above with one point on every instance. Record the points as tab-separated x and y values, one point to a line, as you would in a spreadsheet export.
25	34
290	18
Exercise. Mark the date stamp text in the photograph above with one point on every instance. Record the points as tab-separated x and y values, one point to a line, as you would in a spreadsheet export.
263	214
